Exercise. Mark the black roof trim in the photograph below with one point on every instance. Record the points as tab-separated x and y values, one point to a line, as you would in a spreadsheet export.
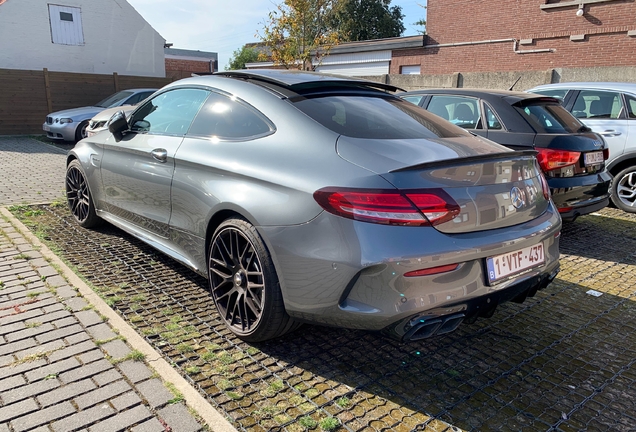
299	81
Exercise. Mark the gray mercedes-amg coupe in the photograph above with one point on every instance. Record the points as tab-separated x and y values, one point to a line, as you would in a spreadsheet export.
307	197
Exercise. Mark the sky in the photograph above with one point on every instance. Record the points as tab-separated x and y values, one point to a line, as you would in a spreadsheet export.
223	26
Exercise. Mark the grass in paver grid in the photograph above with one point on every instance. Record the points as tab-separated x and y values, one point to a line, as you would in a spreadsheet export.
556	361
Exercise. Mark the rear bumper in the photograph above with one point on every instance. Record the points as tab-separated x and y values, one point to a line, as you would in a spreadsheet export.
351	274
445	320
577	196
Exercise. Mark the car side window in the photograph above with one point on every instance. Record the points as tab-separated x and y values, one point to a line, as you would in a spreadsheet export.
557	94
631	106
169	113
461	111
136	98
413	99
225	118
597	104
491	119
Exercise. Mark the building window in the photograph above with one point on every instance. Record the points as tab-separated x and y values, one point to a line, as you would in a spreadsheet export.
66	25
65	16
410	70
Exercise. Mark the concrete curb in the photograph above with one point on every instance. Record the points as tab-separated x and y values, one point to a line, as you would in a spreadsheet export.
193	398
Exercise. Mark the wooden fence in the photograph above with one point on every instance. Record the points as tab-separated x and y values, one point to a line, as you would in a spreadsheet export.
26	97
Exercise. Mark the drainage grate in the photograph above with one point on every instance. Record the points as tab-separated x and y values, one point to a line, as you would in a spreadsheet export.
563	360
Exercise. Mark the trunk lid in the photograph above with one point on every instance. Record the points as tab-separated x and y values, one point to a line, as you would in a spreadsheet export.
494	187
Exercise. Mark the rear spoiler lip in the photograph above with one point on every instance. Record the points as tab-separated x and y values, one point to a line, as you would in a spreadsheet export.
468	160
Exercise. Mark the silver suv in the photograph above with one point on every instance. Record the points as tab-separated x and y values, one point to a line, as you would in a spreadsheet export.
608	108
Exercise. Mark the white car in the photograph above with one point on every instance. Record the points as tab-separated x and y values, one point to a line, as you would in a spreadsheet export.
100	121
608	108
71	124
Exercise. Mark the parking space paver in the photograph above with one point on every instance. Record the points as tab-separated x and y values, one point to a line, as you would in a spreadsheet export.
59	359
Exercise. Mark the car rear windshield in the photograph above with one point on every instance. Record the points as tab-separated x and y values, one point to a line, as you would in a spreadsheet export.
549	118
376	117
113	100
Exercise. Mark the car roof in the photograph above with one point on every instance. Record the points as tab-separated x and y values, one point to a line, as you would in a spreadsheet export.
614	86
510	97
295	80
138	90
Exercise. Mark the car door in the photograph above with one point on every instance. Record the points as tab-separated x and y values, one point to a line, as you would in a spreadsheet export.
604	113
137	171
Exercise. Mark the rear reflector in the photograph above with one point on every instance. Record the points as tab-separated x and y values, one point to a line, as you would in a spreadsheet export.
605	154
565	209
389	207
550	159
432	270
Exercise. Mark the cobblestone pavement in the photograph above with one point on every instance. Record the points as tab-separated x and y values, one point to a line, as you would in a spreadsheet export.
62	367
30	171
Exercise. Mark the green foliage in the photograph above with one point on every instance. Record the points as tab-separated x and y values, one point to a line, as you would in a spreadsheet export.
191	370
329	424
421	22
307	422
298	33
358	20
242	56
343	402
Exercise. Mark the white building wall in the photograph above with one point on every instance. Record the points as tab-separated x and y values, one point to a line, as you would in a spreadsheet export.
357	64
116	39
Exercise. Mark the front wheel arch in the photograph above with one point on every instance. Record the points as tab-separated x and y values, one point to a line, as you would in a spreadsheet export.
244	283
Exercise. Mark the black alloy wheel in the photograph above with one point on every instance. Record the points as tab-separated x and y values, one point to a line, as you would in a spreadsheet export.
78	196
244	284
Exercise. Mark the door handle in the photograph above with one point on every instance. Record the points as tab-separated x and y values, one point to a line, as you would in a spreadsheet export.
610	133
160	154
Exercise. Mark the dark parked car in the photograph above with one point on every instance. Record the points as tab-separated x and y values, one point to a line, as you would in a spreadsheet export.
609	108
312	197
571	156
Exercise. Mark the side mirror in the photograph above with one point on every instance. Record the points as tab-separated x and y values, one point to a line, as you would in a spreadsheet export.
117	125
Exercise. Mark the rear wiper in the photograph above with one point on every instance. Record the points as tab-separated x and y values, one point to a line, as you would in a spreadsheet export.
584	129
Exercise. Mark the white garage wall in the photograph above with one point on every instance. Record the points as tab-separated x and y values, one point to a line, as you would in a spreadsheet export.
116	39
357	64
363	69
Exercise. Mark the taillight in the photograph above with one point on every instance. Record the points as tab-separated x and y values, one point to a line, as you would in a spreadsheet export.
390	207
605	154
554	159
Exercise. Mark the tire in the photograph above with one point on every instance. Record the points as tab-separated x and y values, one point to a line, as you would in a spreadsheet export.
624	190
79	197
244	284
80	132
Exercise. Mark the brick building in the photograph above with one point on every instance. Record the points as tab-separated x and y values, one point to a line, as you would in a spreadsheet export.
182	63
522	35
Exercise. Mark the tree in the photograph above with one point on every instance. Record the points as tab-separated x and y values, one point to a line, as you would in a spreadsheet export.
421	22
298	31
368	19
242	56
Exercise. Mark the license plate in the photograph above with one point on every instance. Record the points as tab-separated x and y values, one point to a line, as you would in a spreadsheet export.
46	128
511	263
593	158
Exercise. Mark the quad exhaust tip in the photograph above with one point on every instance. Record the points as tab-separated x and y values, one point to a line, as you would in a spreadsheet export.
434	327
